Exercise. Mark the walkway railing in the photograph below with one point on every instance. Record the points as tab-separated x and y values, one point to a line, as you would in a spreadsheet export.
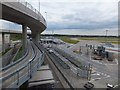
31	7
23	73
14	63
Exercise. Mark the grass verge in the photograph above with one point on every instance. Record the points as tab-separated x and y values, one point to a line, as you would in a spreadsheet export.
112	40
3	53
19	54
68	40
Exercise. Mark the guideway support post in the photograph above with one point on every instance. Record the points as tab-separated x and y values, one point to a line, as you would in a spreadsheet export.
3	42
24	37
36	37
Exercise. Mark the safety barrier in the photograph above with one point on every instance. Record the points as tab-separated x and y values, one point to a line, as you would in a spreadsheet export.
22	74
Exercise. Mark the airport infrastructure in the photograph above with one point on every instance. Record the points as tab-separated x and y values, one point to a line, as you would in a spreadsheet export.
22	13
50	62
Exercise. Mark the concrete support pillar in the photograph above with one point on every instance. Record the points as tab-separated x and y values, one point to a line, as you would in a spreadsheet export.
3	42
24	37
37	38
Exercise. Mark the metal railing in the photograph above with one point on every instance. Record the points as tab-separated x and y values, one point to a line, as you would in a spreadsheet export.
22	74
32	8
14	63
83	70
18	77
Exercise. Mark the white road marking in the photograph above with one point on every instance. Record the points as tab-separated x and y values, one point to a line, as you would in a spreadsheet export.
116	85
110	64
95	79
73	71
96	74
99	74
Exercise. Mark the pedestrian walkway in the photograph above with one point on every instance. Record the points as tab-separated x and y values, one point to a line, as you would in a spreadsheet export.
42	76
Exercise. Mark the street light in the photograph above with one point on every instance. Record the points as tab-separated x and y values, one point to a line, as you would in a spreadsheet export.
106	36
106	32
46	15
39	6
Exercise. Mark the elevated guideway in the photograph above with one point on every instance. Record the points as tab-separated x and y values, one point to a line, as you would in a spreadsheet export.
23	13
16	74
8	31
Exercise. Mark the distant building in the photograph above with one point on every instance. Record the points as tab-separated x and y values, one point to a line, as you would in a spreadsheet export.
7	38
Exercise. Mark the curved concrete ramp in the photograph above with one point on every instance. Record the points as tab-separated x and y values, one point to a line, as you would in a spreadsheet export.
23	13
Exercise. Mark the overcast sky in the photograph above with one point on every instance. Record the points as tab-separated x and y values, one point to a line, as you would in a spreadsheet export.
92	17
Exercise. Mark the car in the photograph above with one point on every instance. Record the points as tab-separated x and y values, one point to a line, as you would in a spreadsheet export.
48	48
68	46
50	51
30	39
109	86
88	85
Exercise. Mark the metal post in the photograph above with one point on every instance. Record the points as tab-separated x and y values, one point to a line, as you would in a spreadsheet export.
106	35
38	63
39	6
46	16
17	77
3	42
90	71
30	67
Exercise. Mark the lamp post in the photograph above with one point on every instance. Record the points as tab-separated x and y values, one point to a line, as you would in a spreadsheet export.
9	32
106	35
106	32
39	6
46	16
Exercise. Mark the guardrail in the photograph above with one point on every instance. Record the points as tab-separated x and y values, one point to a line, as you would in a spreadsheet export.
12	64
16	53
22	74
82	70
67	81
31	7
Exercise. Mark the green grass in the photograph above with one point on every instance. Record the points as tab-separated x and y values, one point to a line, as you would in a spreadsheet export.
112	40
2	53
19	54
68	40
15	37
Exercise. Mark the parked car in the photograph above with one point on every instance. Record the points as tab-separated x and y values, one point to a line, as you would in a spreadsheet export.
50	51
30	39
88	85
110	86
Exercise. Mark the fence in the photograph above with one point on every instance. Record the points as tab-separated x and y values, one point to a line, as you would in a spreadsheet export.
23	73
17	78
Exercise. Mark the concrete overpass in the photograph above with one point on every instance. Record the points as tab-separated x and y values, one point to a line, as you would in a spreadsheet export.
6	31
23	13
15	74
